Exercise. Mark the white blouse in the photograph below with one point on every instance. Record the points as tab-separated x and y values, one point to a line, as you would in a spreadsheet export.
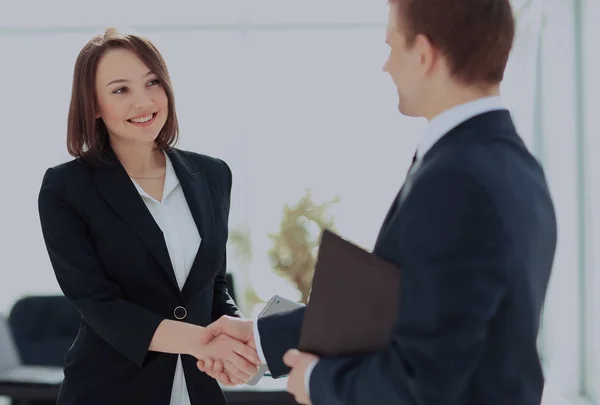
182	238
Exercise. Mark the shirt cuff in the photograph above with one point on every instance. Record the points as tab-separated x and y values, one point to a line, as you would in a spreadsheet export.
307	374
259	350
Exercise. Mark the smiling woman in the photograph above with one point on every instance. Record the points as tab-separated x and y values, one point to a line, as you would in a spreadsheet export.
136	232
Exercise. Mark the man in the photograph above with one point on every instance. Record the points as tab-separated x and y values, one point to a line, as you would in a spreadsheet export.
473	230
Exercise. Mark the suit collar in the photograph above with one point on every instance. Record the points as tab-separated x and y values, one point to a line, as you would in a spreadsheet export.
443	123
182	161
196	190
119	191
497	124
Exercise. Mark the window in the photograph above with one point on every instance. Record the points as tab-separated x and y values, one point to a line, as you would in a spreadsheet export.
563	143
590	12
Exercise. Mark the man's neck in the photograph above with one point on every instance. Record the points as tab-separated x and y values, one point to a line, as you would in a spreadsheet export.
457	95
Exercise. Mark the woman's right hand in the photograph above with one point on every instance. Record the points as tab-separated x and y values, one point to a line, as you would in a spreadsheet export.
239	360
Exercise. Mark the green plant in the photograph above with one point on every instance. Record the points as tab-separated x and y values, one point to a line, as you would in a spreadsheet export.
293	254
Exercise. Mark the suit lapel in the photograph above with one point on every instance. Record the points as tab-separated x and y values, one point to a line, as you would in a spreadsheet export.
412	168
118	190
197	194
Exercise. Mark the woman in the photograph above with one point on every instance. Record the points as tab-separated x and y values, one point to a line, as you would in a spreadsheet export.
136	233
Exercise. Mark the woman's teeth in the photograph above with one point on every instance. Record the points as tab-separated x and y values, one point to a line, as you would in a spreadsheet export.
142	119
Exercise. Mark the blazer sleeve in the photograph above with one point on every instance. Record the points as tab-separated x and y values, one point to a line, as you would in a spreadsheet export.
454	250
279	333
223	304
125	326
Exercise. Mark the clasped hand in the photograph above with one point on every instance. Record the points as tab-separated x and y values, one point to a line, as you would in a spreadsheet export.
242	331
228	351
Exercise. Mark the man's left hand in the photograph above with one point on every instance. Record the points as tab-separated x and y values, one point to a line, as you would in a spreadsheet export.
298	361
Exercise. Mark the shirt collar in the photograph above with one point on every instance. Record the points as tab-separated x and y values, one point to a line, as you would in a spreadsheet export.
444	122
171	180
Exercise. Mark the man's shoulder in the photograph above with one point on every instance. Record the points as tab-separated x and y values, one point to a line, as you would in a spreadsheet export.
454	164
485	162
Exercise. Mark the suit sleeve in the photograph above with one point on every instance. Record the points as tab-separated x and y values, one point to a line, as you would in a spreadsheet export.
453	250
125	326
223	304
279	333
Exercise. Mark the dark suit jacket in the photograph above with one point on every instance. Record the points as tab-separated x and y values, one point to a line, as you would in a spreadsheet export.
474	233
111	262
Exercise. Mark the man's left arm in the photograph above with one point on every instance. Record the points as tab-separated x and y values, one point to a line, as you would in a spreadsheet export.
275	335
452	244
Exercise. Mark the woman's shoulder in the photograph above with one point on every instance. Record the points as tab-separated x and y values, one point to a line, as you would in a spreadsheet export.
72	172
203	162
216	171
73	167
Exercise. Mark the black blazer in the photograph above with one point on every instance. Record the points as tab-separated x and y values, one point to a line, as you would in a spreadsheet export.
474	233
111	262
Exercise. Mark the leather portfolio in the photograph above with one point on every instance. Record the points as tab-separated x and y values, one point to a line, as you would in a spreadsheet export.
353	306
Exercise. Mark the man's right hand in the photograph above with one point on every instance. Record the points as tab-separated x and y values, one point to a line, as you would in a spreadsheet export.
239	329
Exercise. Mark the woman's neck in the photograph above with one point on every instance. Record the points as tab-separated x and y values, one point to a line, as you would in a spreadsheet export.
139	160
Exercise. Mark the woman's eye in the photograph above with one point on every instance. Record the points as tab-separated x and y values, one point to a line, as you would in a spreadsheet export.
153	82
120	90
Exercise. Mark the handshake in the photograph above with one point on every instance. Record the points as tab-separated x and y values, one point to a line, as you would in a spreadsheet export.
227	351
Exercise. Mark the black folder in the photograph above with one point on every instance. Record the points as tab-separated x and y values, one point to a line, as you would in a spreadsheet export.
354	301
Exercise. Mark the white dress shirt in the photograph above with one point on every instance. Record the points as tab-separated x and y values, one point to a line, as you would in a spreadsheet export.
182	238
439	126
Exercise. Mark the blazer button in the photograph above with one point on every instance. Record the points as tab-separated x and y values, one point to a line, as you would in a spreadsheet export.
180	312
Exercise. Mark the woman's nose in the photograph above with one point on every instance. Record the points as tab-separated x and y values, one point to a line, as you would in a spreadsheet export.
142	101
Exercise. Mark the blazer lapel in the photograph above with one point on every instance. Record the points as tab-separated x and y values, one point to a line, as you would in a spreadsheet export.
117	189
197	194
412	168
